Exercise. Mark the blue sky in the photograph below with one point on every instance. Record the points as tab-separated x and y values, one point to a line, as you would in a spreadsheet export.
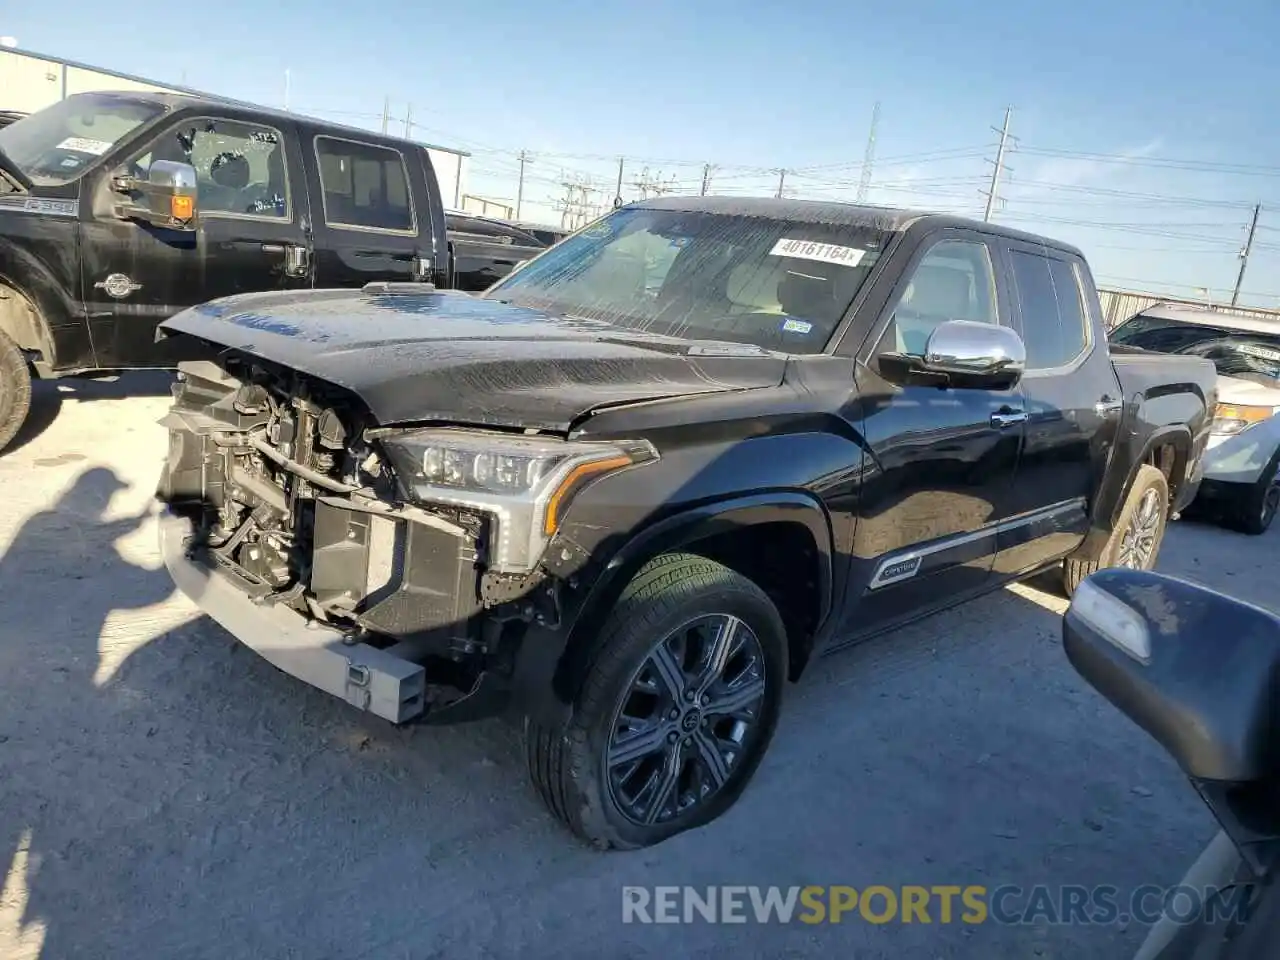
1146	130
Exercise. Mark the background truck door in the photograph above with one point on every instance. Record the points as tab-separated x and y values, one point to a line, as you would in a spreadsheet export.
367	225
252	235
1072	395
943	460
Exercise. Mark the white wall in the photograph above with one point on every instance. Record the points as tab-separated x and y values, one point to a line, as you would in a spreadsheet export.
28	84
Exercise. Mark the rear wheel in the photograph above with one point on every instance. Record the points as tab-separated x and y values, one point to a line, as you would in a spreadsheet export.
1139	531
1253	512
15	389
675	713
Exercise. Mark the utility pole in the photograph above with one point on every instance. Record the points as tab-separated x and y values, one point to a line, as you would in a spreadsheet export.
999	168
782	179
286	90
524	158
408	121
617	193
386	114
1244	254
869	157
706	178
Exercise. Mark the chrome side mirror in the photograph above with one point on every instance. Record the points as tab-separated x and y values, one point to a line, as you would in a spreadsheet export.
166	198
962	353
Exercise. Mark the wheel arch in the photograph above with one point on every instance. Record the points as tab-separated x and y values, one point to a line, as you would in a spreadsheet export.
729	531
25	312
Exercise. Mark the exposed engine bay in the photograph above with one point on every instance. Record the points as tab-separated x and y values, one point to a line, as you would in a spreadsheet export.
290	497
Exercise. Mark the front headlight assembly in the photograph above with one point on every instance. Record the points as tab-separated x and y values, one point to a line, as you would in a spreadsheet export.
525	483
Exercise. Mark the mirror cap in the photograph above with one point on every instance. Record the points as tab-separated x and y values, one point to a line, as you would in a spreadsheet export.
971	347
1193	667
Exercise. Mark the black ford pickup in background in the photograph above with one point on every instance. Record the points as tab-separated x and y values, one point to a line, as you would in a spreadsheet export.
93	252
639	484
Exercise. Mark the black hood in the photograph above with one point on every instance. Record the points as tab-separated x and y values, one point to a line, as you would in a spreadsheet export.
447	356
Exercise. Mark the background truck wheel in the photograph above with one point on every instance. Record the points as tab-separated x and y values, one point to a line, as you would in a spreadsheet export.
1253	512
1139	531
677	708
15	389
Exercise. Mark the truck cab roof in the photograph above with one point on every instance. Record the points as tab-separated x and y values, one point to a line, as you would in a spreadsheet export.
894	219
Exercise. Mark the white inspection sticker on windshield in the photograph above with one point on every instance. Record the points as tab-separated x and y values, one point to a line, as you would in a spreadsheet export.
1262	353
824	252
85	145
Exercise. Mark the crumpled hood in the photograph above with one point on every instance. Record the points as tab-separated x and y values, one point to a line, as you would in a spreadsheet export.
1247	392
447	356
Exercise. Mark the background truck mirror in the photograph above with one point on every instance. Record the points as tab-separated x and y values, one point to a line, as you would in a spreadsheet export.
166	198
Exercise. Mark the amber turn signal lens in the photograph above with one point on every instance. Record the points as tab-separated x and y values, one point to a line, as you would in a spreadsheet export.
575	478
182	208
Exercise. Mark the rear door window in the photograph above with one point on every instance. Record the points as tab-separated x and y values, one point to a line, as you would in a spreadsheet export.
364	187
1054	324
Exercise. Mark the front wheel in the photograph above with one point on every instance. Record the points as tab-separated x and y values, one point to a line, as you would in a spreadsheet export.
676	710
15	389
1139	531
1254	510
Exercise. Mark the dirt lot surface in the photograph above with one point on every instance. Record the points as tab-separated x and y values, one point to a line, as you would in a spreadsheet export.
166	793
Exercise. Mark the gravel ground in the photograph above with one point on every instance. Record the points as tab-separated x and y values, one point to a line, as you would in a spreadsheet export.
165	793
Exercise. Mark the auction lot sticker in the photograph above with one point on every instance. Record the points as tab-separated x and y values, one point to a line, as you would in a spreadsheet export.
822	252
85	145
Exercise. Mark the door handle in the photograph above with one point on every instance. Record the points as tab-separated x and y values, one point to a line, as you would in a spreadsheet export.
1106	406
297	259
1007	418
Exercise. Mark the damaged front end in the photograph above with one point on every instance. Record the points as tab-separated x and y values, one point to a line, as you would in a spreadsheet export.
396	568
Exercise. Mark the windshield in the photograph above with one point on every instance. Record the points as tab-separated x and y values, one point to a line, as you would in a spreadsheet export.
1236	353
57	144
778	284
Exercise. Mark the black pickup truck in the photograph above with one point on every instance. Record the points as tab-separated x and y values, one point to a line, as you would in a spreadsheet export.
634	488
117	210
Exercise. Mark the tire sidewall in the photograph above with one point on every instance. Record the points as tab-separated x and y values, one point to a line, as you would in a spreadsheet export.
1254	503
600	815
1147	478
15	389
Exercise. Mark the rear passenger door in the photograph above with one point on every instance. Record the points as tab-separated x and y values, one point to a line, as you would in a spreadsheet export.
367	224
1067	391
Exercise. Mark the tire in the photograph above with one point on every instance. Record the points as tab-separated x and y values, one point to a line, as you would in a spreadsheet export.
665	615
1253	512
15	389
1148	482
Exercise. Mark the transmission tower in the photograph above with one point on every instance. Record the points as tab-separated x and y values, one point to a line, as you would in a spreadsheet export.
869	158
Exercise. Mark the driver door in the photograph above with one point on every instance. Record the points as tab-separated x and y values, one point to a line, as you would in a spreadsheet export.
252	235
943	459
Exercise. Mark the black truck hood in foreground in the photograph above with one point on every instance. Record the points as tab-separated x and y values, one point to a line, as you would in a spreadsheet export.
447	356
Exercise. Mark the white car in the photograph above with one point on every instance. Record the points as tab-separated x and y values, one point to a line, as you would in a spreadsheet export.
1240	484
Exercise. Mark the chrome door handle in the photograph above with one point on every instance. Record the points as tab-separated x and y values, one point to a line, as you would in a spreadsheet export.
1106	406
1007	418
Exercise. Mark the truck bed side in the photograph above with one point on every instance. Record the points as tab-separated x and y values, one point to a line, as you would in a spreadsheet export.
1167	407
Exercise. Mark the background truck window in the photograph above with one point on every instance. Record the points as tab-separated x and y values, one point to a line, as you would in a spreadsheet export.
364	186
240	168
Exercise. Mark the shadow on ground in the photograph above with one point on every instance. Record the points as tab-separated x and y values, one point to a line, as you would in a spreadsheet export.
48	397
200	803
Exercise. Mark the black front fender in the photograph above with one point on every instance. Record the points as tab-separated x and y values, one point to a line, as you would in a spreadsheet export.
552	663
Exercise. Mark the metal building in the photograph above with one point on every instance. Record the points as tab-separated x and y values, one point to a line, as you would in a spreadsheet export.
31	81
